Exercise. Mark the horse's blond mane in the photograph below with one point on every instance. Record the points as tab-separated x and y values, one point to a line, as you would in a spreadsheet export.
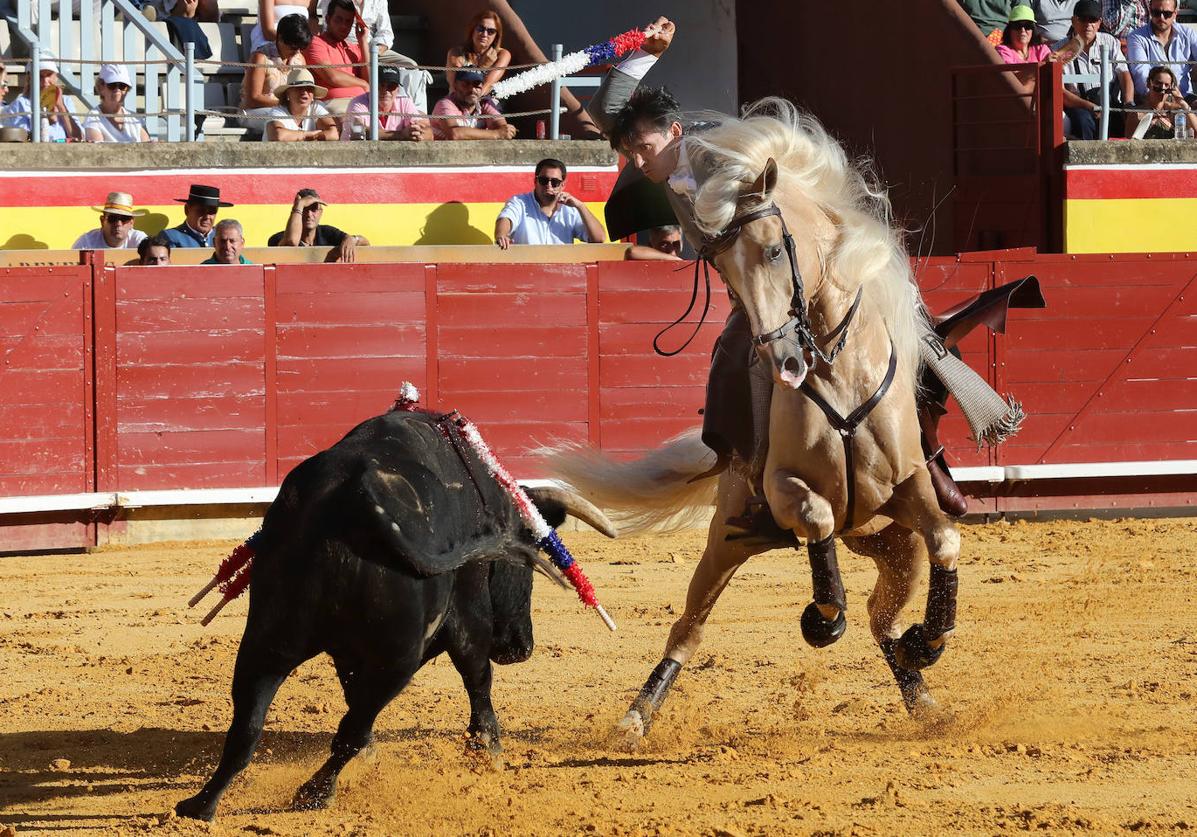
812	167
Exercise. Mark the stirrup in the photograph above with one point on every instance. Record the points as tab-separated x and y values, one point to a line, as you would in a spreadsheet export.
758	524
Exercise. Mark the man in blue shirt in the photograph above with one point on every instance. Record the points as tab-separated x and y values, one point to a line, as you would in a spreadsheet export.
548	214
1162	42
200	207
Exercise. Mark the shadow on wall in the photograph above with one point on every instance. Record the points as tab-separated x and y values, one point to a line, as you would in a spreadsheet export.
22	241
152	223
449	223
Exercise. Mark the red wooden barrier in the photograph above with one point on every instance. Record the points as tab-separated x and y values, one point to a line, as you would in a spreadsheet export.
228	377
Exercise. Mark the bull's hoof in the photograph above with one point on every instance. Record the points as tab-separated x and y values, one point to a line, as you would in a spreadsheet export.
914	652
197	809
629	732
484	741
818	631
313	796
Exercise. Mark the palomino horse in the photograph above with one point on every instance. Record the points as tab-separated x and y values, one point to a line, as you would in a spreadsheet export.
844	454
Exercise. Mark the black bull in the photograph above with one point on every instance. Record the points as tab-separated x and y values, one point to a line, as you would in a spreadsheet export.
384	551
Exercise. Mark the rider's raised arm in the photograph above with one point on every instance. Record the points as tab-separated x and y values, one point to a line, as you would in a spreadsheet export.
621	82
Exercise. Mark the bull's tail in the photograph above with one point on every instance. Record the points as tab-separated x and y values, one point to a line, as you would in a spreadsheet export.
657	493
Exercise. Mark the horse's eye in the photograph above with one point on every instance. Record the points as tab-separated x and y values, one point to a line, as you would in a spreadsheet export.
774	252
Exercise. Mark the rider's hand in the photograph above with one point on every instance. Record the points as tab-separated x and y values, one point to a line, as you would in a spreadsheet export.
658	36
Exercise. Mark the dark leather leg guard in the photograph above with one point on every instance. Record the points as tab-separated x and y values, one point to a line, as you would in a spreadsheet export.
818	631
652	695
914	650
910	683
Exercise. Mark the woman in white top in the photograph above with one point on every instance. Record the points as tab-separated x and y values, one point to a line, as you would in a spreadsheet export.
270	12
113	123
299	117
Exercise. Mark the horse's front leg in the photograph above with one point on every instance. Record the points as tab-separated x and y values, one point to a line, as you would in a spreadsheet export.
914	506
795	506
719	562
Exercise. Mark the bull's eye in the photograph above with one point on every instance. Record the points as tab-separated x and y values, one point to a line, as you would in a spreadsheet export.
773	253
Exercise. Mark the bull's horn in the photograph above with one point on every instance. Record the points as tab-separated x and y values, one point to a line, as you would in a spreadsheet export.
576	505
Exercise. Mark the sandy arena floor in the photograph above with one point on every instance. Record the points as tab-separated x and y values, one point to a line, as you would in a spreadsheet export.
1070	694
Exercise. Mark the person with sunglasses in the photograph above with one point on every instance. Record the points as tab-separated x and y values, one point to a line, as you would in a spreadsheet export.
466	115
116	226
548	214
1162	42
1081	53
112	123
1021	44
1165	102
58	124
482	48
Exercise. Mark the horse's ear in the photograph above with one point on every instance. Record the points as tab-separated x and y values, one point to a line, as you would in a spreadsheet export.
765	182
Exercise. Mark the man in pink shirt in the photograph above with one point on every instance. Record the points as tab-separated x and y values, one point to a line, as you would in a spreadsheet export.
398	118
330	47
465	102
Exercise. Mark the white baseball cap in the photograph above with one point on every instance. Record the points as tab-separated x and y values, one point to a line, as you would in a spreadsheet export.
48	64
114	74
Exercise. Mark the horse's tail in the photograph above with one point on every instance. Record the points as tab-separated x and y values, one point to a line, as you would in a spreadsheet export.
656	493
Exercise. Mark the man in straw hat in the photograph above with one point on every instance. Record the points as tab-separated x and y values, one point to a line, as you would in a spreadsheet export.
299	117
116	225
199	207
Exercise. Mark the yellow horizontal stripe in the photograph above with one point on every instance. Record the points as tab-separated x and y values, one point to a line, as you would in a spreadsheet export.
397	224
1130	225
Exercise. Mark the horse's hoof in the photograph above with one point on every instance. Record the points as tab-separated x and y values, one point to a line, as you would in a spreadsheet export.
629	732
312	797
194	808
484	741
818	631
913	652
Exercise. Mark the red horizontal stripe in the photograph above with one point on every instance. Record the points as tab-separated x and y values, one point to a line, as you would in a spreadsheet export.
1144	184
367	186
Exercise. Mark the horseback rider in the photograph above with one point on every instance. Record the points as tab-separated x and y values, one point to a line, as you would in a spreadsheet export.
646	125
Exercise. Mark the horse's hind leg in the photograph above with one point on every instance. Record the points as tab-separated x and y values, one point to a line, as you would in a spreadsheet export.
915	507
795	506
367	691
898	554
719	563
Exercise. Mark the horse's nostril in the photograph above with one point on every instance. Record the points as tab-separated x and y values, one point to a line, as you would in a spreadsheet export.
792	365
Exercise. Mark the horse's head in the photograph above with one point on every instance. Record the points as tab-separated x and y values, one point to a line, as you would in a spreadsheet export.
759	261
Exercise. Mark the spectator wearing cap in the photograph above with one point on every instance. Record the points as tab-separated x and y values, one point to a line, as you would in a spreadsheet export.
548	214
1121	17
989	15
228	241
1081	99
469	117
1021	44
112	123
1053	18
664	244
398	117
1162	43
331	46
305	230
299	117
154	251
199	207
116	225
59	124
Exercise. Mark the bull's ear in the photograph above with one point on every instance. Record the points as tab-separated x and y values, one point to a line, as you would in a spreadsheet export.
765	182
552	510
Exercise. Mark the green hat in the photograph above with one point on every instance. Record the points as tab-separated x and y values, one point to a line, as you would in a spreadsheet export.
1021	13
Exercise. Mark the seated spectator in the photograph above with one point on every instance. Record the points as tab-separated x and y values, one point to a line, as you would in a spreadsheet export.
305	230
199	207
1081	100
116	225
60	124
548	214
1162	42
299	117
1121	17
182	23
332	47
664	244
1164	99
207	11
229	241
398	118
271	13
377	17
112	123
1021	44
989	15
482	48
271	63
1053	18
154	251
470	112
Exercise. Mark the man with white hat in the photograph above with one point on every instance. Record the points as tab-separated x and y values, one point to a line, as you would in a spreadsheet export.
116	225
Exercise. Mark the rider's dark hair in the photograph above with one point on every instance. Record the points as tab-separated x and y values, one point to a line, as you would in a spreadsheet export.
653	105
294	31
550	163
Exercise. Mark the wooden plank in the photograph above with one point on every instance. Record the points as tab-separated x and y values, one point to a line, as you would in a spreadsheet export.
190	314
640	371
207	381
637	339
159	448
351	309
502	310
555	405
534	340
659	306
513	374
323	341
620	403
336	374
139	414
486	279
193	282
48	316
191	347
358	278
133	476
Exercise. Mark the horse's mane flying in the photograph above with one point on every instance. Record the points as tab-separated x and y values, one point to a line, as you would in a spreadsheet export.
731	152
